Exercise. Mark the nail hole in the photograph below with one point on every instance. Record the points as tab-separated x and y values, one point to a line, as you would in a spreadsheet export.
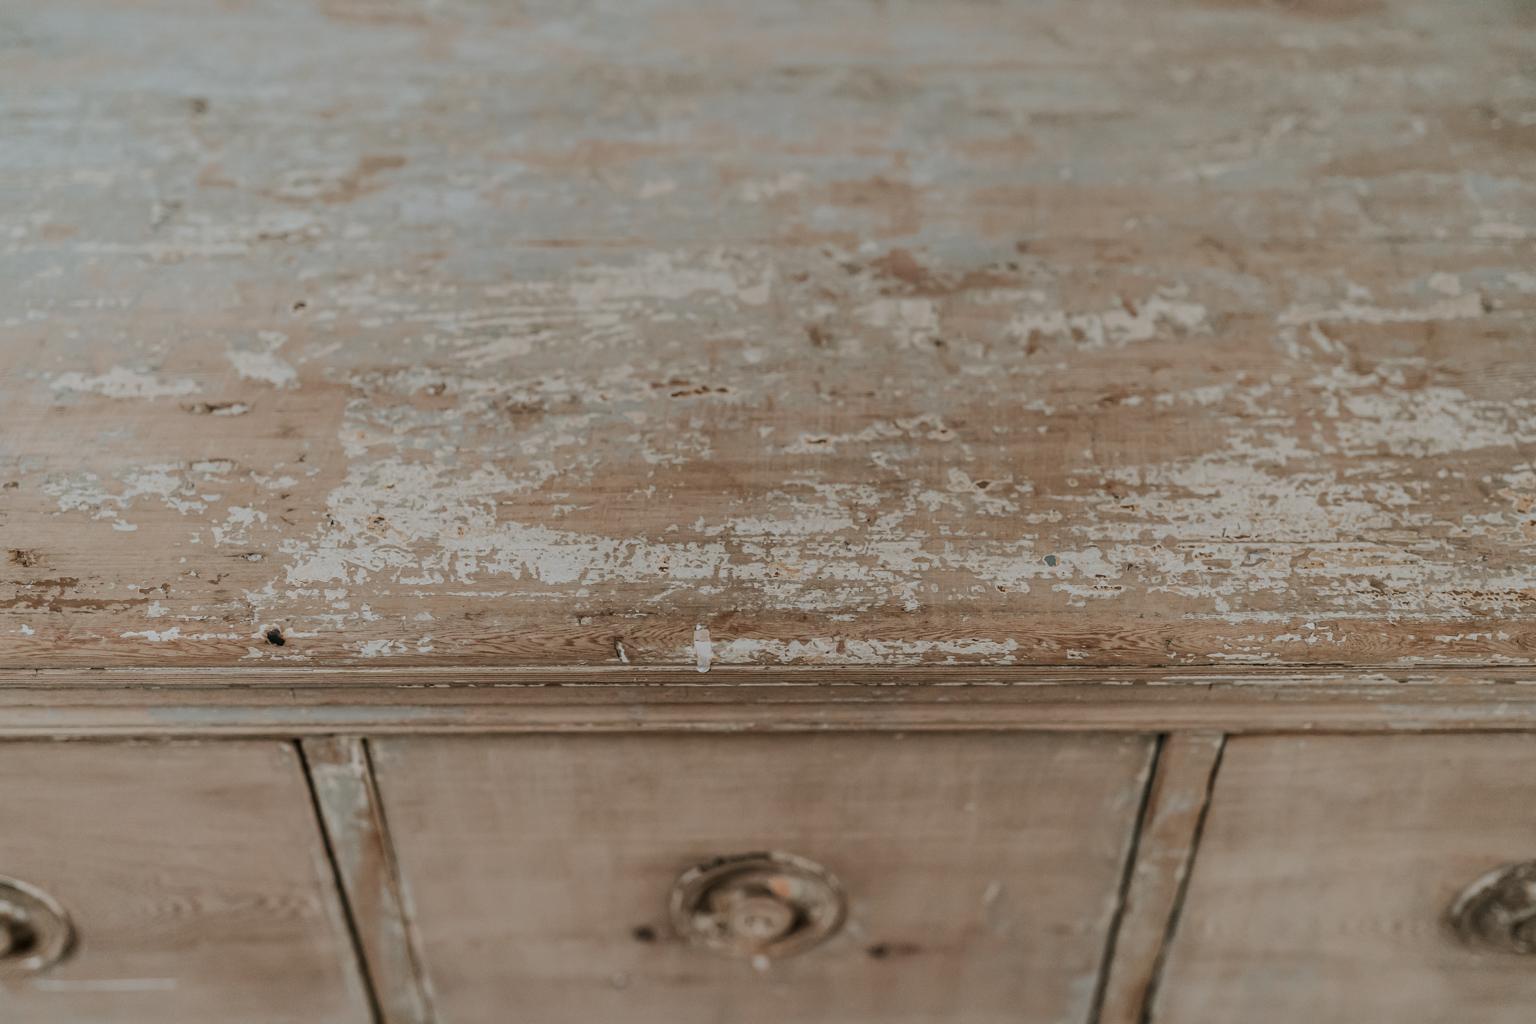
275	637
884	950
643	933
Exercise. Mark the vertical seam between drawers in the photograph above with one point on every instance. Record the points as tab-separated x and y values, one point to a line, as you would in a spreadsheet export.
396	878
1127	869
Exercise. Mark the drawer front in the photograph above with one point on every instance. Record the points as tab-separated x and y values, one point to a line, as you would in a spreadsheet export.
1321	888
195	880
973	877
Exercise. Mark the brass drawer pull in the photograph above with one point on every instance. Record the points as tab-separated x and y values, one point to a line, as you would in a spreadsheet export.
1498	911
757	905
35	932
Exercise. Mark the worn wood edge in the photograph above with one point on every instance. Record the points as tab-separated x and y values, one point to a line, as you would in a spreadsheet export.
1130	856
1296	705
1175	805
760	676
351	817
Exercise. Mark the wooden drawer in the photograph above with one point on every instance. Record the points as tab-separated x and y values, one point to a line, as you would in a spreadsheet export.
1321	887
196	880
980	874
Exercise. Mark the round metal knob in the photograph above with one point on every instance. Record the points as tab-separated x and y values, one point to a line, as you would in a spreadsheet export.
760	919
757	904
35	932
1498	911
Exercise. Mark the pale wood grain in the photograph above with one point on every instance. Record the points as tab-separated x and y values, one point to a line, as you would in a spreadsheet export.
1165	847
1327	864
1119	333
347	800
197	880
980	892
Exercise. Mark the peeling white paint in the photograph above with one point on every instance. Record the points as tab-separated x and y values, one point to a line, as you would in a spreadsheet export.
760	190
378	648
851	651
1126	324
122	382
155	636
262	363
1460	306
703	648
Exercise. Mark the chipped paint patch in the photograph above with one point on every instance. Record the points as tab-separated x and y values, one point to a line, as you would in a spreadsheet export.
262	363
379	648
850	651
1455	308
155	636
1125	324
123	382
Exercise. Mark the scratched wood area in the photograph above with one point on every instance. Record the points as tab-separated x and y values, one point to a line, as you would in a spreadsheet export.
742	333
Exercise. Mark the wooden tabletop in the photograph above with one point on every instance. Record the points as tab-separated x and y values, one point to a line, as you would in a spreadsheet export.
703	334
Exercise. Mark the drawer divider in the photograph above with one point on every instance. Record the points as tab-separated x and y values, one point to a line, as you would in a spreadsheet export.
1157	878
352	819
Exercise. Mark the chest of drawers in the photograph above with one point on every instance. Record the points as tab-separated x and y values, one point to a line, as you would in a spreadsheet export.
705	512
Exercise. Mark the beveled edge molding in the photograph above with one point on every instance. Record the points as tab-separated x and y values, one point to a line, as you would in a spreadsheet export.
723	676
151	702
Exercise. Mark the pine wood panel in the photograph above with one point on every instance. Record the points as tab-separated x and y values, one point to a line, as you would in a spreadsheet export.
196	878
537	871
1327	864
699	333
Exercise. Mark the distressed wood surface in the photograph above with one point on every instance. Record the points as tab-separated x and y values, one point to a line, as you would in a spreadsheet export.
1320	889
697	334
538	869
196	878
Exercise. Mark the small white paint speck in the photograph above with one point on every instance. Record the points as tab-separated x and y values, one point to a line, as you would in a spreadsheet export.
263	364
379	648
703	649
153	636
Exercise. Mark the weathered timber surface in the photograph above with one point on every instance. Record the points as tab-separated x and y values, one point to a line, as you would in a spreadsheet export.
889	334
